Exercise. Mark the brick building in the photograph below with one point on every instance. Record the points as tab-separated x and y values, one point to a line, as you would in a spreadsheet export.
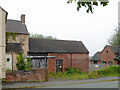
96	58
57	55
107	56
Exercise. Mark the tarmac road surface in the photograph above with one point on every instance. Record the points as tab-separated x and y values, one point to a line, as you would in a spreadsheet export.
98	82
108	84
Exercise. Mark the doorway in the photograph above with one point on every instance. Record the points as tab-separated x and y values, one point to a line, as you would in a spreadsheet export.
59	65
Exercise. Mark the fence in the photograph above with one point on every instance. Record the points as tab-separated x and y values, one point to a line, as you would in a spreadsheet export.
93	67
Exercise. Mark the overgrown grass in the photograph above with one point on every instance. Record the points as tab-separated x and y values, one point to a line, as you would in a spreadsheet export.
74	73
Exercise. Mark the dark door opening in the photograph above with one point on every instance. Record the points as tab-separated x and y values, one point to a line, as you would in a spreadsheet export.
59	65
118	62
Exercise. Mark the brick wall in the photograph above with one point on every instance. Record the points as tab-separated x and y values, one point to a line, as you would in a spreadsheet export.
92	62
78	61
52	61
81	61
27	75
107	56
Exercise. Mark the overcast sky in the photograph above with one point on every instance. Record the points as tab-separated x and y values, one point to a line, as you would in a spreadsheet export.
63	21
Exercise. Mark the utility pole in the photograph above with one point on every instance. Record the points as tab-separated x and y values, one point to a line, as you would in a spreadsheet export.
3	16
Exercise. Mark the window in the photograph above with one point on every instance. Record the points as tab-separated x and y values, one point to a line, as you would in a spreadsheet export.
8	59
110	63
46	63
103	62
106	51
95	62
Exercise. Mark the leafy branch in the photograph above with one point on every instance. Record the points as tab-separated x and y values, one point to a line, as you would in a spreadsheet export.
89	4
10	34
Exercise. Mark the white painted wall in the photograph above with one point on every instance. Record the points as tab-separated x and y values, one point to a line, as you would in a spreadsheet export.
2	42
8	61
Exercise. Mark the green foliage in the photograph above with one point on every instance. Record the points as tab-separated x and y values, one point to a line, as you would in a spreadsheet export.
66	75
10	34
74	73
109	70
115	38
41	36
89	4
72	70
20	62
29	64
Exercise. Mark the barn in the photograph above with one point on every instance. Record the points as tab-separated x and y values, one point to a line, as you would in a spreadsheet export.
57	55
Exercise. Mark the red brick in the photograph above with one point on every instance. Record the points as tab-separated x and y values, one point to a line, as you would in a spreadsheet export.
78	61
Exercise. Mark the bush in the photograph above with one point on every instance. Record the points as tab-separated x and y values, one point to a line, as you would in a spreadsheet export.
109	70
21	65
72	70
29	64
20	62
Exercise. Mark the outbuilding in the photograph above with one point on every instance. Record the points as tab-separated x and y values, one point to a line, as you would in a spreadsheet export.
57	55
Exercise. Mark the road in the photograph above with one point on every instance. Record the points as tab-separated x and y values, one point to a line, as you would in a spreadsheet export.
98	82
108	84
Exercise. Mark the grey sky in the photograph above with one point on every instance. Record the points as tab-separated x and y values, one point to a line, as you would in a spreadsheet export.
63	21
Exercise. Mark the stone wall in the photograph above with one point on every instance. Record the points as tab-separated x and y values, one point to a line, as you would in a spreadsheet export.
23	39
27	75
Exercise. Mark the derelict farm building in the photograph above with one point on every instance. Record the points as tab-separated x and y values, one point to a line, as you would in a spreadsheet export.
59	54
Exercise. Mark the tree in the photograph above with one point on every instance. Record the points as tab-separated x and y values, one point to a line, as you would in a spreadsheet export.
115	38
41	36
89	4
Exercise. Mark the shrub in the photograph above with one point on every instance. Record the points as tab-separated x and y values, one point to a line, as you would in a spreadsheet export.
29	64
109	70
20	62
72	70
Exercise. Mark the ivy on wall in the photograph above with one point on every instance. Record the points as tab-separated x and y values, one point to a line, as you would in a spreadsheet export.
10	34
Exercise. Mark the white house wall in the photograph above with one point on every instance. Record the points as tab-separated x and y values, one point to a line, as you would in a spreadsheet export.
2	42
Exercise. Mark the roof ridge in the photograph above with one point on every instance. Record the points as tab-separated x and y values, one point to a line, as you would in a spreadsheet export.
55	39
14	20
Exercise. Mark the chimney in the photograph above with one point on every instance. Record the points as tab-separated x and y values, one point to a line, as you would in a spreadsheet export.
23	18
